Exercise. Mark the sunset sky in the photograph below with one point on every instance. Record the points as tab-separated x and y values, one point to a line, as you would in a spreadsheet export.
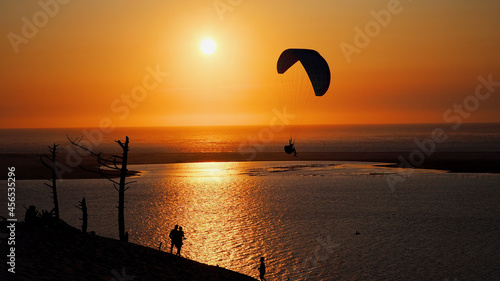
72	63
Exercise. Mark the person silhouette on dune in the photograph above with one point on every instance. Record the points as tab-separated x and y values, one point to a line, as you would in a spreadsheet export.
179	242
173	237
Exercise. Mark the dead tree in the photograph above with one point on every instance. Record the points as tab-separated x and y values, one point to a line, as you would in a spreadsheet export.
52	166
106	165
83	206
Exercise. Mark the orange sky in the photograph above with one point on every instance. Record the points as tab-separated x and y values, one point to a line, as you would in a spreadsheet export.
83	56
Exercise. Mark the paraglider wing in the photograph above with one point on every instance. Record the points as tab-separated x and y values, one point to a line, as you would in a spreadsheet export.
315	65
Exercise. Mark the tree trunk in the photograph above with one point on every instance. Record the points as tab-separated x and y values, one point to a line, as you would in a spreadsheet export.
54	180
84	215
113	163
121	193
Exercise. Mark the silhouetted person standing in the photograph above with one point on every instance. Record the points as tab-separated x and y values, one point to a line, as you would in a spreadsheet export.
174	233
262	269
179	242
31	215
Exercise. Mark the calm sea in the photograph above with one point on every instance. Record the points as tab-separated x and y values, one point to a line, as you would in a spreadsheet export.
328	138
302	216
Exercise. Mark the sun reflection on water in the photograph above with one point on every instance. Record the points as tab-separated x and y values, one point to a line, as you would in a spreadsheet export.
216	209
235	212
210	201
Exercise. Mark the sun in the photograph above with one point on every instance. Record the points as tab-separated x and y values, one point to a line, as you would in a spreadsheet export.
208	46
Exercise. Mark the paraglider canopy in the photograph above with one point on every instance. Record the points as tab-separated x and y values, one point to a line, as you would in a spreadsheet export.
315	65
299	94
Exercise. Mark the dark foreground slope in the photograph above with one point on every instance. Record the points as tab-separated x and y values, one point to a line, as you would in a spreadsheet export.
49	254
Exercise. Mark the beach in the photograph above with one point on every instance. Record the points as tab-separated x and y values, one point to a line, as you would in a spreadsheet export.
28	165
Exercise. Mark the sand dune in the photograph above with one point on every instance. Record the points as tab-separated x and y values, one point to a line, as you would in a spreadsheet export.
49	254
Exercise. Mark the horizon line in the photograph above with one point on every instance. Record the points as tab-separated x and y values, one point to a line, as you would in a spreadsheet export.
245	125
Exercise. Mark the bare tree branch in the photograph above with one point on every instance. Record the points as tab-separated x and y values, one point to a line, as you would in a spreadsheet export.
44	163
77	141
105	165
109	178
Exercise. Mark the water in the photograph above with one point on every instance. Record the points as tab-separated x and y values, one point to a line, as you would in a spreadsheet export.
325	138
302	217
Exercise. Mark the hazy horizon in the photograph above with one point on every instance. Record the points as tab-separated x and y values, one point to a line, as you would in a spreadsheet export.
319	138
255	125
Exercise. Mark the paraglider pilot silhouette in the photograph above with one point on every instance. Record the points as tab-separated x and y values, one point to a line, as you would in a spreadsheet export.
318	72
289	149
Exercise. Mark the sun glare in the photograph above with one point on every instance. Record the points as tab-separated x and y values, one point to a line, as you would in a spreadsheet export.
208	46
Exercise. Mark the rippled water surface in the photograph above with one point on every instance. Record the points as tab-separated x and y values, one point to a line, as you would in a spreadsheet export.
302	216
